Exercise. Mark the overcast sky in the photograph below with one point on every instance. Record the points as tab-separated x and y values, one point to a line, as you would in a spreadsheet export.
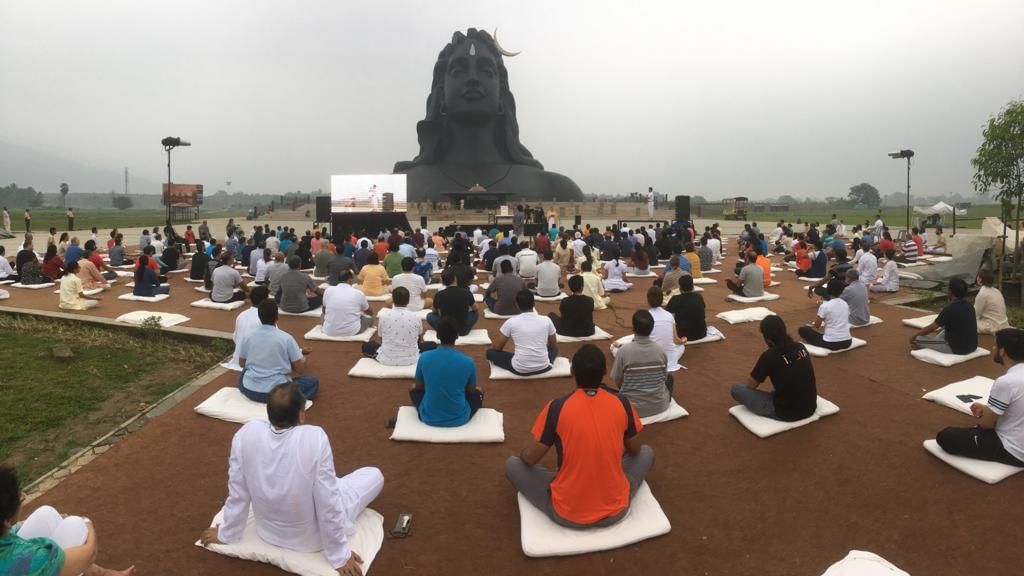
716	99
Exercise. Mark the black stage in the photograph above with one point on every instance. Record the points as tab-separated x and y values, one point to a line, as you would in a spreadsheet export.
372	222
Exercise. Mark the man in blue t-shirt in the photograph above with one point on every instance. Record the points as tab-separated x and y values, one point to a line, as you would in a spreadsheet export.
959	334
269	356
445	391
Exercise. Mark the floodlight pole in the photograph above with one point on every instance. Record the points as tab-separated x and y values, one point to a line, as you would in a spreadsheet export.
167	197
908	195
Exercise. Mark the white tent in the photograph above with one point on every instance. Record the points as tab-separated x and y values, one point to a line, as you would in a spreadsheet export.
940	208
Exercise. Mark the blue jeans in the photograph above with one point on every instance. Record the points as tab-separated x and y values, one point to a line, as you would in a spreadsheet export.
314	302
471	317
757	401
503	359
309	385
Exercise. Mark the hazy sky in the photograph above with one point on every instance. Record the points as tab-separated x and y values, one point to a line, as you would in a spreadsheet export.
717	99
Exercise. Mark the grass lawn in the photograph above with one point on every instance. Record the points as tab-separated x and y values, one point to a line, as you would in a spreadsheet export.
894	217
44	218
53	407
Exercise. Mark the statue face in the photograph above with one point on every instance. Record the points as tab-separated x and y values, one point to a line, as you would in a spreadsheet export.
471	84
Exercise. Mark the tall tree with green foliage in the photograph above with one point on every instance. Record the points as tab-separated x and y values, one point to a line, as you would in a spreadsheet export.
866	194
999	161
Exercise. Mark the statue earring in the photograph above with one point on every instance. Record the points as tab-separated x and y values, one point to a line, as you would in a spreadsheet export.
444	109
501	108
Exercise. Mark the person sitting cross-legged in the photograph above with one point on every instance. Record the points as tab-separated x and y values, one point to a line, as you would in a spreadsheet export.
549	277
401	332
593	286
249	319
500	296
640	369
834	314
295	288
989	305
46	543
601	462
855	294
283	470
224	280
269	356
147	282
577	312
999	434
445	393
687	308
959	327
532	335
750	280
72	294
890	279
345	308
788	365
414	284
454	301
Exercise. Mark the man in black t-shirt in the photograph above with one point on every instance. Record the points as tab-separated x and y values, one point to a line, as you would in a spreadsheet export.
200	262
577	312
688	309
455	302
788	364
959	334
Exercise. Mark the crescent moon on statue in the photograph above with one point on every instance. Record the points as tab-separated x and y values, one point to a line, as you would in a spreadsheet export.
501	50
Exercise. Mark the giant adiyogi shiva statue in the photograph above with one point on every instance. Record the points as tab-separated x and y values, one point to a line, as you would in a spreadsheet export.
470	137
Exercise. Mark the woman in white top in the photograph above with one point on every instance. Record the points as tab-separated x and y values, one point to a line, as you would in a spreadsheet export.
72	295
834	313
616	271
890	280
596	266
989	306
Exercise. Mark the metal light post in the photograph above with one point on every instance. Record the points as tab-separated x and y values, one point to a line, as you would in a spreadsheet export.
170	143
908	154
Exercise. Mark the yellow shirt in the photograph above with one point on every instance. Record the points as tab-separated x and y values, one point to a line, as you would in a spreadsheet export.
694	264
70	290
373	279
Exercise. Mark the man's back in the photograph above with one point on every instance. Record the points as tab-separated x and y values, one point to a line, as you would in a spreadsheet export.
224	279
577	312
688	311
961	326
856	297
294	285
507	287
643	369
416	286
527	263
446	373
548	276
753	280
275	270
343	306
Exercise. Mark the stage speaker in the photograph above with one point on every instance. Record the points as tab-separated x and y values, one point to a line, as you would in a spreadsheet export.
323	208
682	208
577	220
423	222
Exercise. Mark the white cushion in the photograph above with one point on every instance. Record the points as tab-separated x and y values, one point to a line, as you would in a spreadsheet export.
231	365
941	258
487	425
122	266
713	335
807	279
673	411
909	276
703	280
598	334
477	337
766	297
820	352
370	368
765	427
542	537
230	405
366	541
910	264
947	395
712	271
921	322
5	282
91	292
314	313
874	320
124	274
435	286
387	310
317	333
755	314
488	313
207	303
178	271
478	297
560	369
33	286
139	316
990	472
381	298
132	285
774	283
203	289
649	274
942	359
194	281
561	296
134	298
859	563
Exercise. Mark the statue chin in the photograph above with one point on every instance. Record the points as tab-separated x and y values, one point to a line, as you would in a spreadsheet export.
429	183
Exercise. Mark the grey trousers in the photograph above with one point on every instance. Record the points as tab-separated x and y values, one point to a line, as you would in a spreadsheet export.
936	342
757	401
533	482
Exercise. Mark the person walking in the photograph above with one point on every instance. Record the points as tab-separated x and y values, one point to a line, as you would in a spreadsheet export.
7	220
28	221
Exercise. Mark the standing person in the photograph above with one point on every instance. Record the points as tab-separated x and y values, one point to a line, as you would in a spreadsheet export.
7	220
787	363
519	221
834	314
999	434
28	221
204	232
71	220
959	327
445	393
650	202
989	305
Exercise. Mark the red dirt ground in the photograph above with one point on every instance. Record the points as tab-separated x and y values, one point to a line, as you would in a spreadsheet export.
789	505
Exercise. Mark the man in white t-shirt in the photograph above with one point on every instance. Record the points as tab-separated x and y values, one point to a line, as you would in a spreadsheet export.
344	308
415	284
834	314
526	260
999	435
400	331
867	267
577	246
549	278
532	335
664	333
716	247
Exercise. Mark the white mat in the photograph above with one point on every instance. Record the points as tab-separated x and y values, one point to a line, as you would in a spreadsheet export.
774	283
921	322
91	292
673	412
542	537
712	271
203	289
381	298
487	425
634	275
492	316
910	264
124	274
477	297
807	279
947	360
713	335
178	271
33	286
5	282
947	395
765	427
990	472
4	294
134	298
207	303
766	297
560	368
385	311
755	314
366	541
859	563
230	405
314	313
132	285
874	320
370	368
941	258
703	280
820	352
139	316
599	334
194	281
477	337
317	333
561	296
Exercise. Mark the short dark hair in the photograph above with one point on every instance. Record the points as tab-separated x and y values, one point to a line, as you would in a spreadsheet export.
1011	340
294	262
447	331
268	312
643	323
835	288
372	258
958	288
586	266
10	493
506	266
588	366
345	276
576	283
986	276
524	300
258	294
400	296
284	404
407	264
654	297
686	283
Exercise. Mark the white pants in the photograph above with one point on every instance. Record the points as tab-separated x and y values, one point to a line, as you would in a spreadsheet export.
46	522
358	490
650	209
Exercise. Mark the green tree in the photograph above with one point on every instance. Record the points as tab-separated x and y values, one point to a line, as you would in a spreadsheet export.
999	162
121	202
787	199
866	194
698	200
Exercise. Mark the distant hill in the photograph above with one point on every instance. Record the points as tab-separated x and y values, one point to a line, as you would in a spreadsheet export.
45	172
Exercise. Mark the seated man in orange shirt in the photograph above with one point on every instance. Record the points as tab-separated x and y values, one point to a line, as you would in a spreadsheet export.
601	464
765	264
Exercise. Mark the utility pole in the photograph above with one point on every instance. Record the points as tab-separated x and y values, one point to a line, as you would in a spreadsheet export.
125	180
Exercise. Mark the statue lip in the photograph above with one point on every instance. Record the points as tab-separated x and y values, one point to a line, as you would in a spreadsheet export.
473	94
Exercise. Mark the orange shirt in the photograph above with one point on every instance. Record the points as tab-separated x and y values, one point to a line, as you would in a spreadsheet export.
588	428
381	248
766	269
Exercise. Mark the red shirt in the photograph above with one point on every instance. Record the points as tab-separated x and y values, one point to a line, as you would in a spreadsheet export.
53	267
885	245
190	236
97	260
588	428
542	243
152	264
920	244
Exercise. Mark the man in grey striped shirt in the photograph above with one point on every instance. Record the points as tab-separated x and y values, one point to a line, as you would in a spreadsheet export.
640	371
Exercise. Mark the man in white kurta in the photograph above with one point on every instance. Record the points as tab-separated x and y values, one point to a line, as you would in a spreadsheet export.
284	469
